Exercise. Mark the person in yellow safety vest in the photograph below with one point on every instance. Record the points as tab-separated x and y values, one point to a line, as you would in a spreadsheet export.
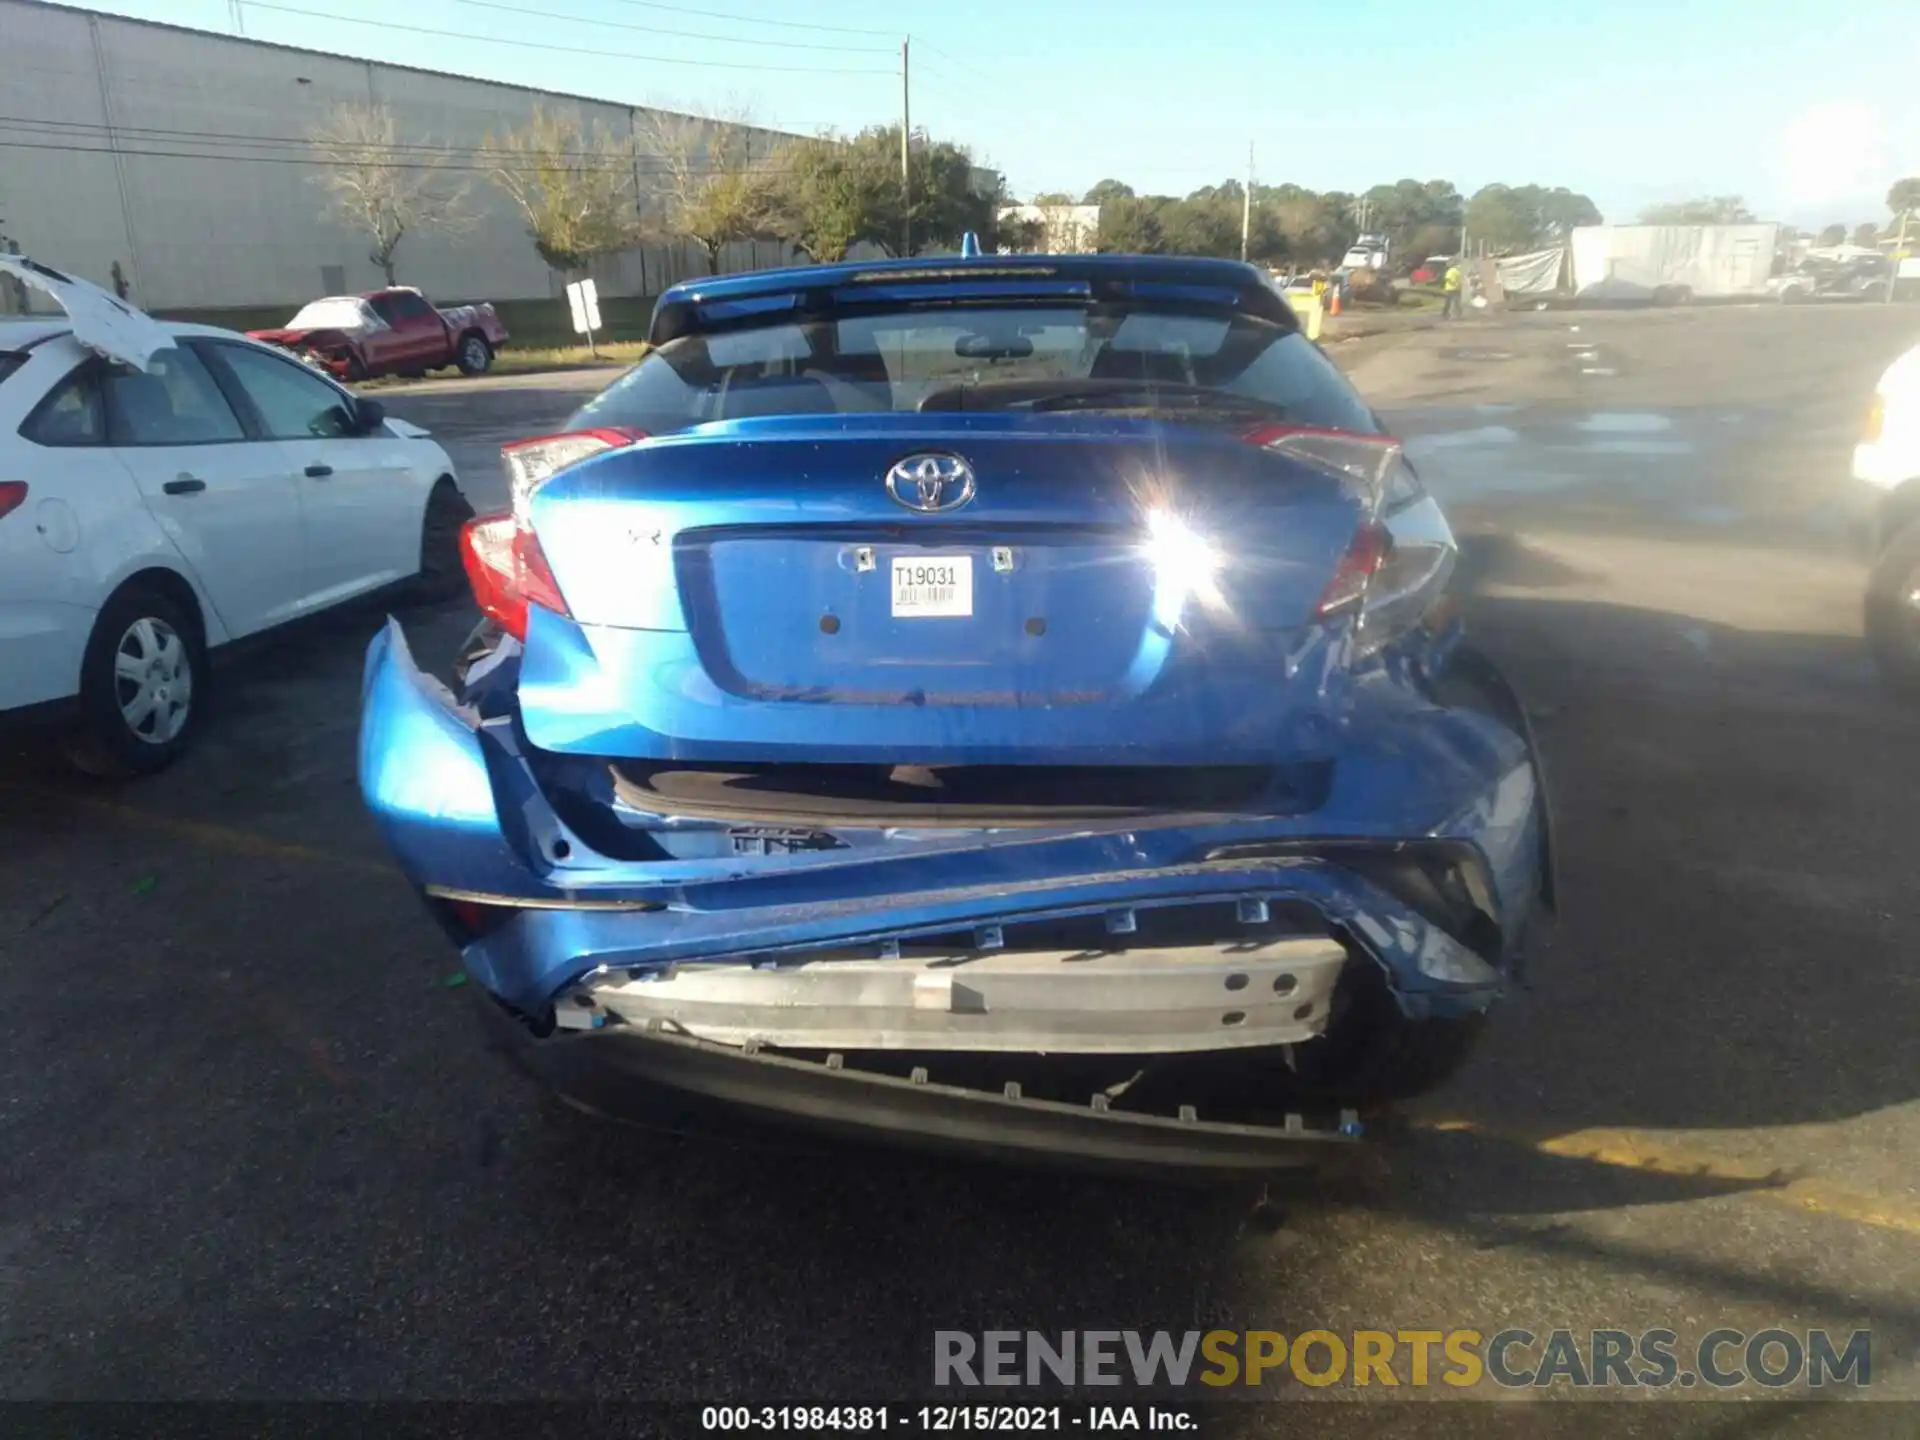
1450	286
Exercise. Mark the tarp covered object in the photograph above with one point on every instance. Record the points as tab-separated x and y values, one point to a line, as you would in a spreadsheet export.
1536	273
1632	261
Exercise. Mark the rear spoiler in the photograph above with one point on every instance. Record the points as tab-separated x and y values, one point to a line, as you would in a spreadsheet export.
840	292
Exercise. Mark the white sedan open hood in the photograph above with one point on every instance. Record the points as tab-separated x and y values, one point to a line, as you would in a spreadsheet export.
102	322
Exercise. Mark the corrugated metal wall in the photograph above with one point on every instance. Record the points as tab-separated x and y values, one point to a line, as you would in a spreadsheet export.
229	215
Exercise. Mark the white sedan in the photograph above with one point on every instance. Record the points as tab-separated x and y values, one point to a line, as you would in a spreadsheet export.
167	488
1886	467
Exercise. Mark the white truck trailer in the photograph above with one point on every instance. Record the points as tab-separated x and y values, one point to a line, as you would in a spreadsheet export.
1672	264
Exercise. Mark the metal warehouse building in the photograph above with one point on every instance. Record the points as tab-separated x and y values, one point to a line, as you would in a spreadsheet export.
181	157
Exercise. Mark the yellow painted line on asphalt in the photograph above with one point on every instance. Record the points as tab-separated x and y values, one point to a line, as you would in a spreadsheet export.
1650	1154
212	836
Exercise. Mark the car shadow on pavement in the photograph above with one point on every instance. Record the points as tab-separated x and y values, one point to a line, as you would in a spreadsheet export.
1738	915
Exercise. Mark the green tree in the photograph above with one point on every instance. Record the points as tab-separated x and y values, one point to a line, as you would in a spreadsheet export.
1510	219
835	193
1130	225
1835	234
1401	209
1310	229
1866	233
1702	210
1205	223
1502	219
1020	236
711	180
1904	197
1053	197
1430	240
573	185
948	198
1106	192
1562	211
831	196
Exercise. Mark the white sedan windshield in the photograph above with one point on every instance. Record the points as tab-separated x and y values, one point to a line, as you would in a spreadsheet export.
335	314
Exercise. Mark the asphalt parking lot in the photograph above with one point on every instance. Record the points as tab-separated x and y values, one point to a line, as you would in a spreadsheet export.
254	1146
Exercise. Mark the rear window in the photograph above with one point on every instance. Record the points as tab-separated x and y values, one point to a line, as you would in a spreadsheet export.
1192	366
71	414
10	361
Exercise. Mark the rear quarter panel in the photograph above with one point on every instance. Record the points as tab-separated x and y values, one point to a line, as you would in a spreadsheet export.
461	318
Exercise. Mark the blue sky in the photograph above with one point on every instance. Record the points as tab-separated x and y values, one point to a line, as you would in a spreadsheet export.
1808	111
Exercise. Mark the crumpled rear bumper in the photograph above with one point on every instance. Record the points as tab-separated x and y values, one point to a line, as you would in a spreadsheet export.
1420	790
658	1078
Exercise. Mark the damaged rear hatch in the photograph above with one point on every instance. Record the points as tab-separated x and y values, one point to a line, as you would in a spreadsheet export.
1010	534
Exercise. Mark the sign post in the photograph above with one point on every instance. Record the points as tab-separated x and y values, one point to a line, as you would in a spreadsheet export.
583	299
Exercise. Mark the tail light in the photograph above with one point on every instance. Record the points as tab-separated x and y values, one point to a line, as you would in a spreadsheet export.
530	463
1371	547
1389	577
1876	417
473	920
501	553
1374	470
1372	466
13	494
507	571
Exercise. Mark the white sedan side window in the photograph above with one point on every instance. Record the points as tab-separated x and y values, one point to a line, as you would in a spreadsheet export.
175	402
293	404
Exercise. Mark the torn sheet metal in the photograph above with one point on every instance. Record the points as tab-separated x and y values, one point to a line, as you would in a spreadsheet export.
102	322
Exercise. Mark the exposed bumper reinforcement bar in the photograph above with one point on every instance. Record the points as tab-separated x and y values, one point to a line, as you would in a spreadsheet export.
1237	993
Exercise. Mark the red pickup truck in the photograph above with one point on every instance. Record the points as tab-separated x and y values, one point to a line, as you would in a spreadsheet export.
389	332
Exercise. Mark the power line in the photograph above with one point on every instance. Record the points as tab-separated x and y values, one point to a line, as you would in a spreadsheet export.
755	19
775	125
965	64
565	49
525	165
783	44
140	134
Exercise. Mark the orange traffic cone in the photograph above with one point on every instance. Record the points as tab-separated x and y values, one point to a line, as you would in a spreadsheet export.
1333	300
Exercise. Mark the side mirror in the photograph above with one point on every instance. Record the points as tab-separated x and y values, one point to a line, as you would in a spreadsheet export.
369	416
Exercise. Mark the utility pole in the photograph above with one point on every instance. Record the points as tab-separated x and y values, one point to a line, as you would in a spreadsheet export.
906	140
1246	206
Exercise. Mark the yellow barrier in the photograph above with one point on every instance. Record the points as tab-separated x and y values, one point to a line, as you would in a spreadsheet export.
1310	309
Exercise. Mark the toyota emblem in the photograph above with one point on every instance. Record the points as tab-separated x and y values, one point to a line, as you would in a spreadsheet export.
931	482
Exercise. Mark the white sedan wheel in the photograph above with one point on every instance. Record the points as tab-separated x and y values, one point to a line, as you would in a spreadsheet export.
153	680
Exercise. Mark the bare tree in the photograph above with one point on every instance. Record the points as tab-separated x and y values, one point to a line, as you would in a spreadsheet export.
712	179
381	187
574	186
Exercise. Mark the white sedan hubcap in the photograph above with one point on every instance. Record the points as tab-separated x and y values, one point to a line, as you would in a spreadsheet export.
152	680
